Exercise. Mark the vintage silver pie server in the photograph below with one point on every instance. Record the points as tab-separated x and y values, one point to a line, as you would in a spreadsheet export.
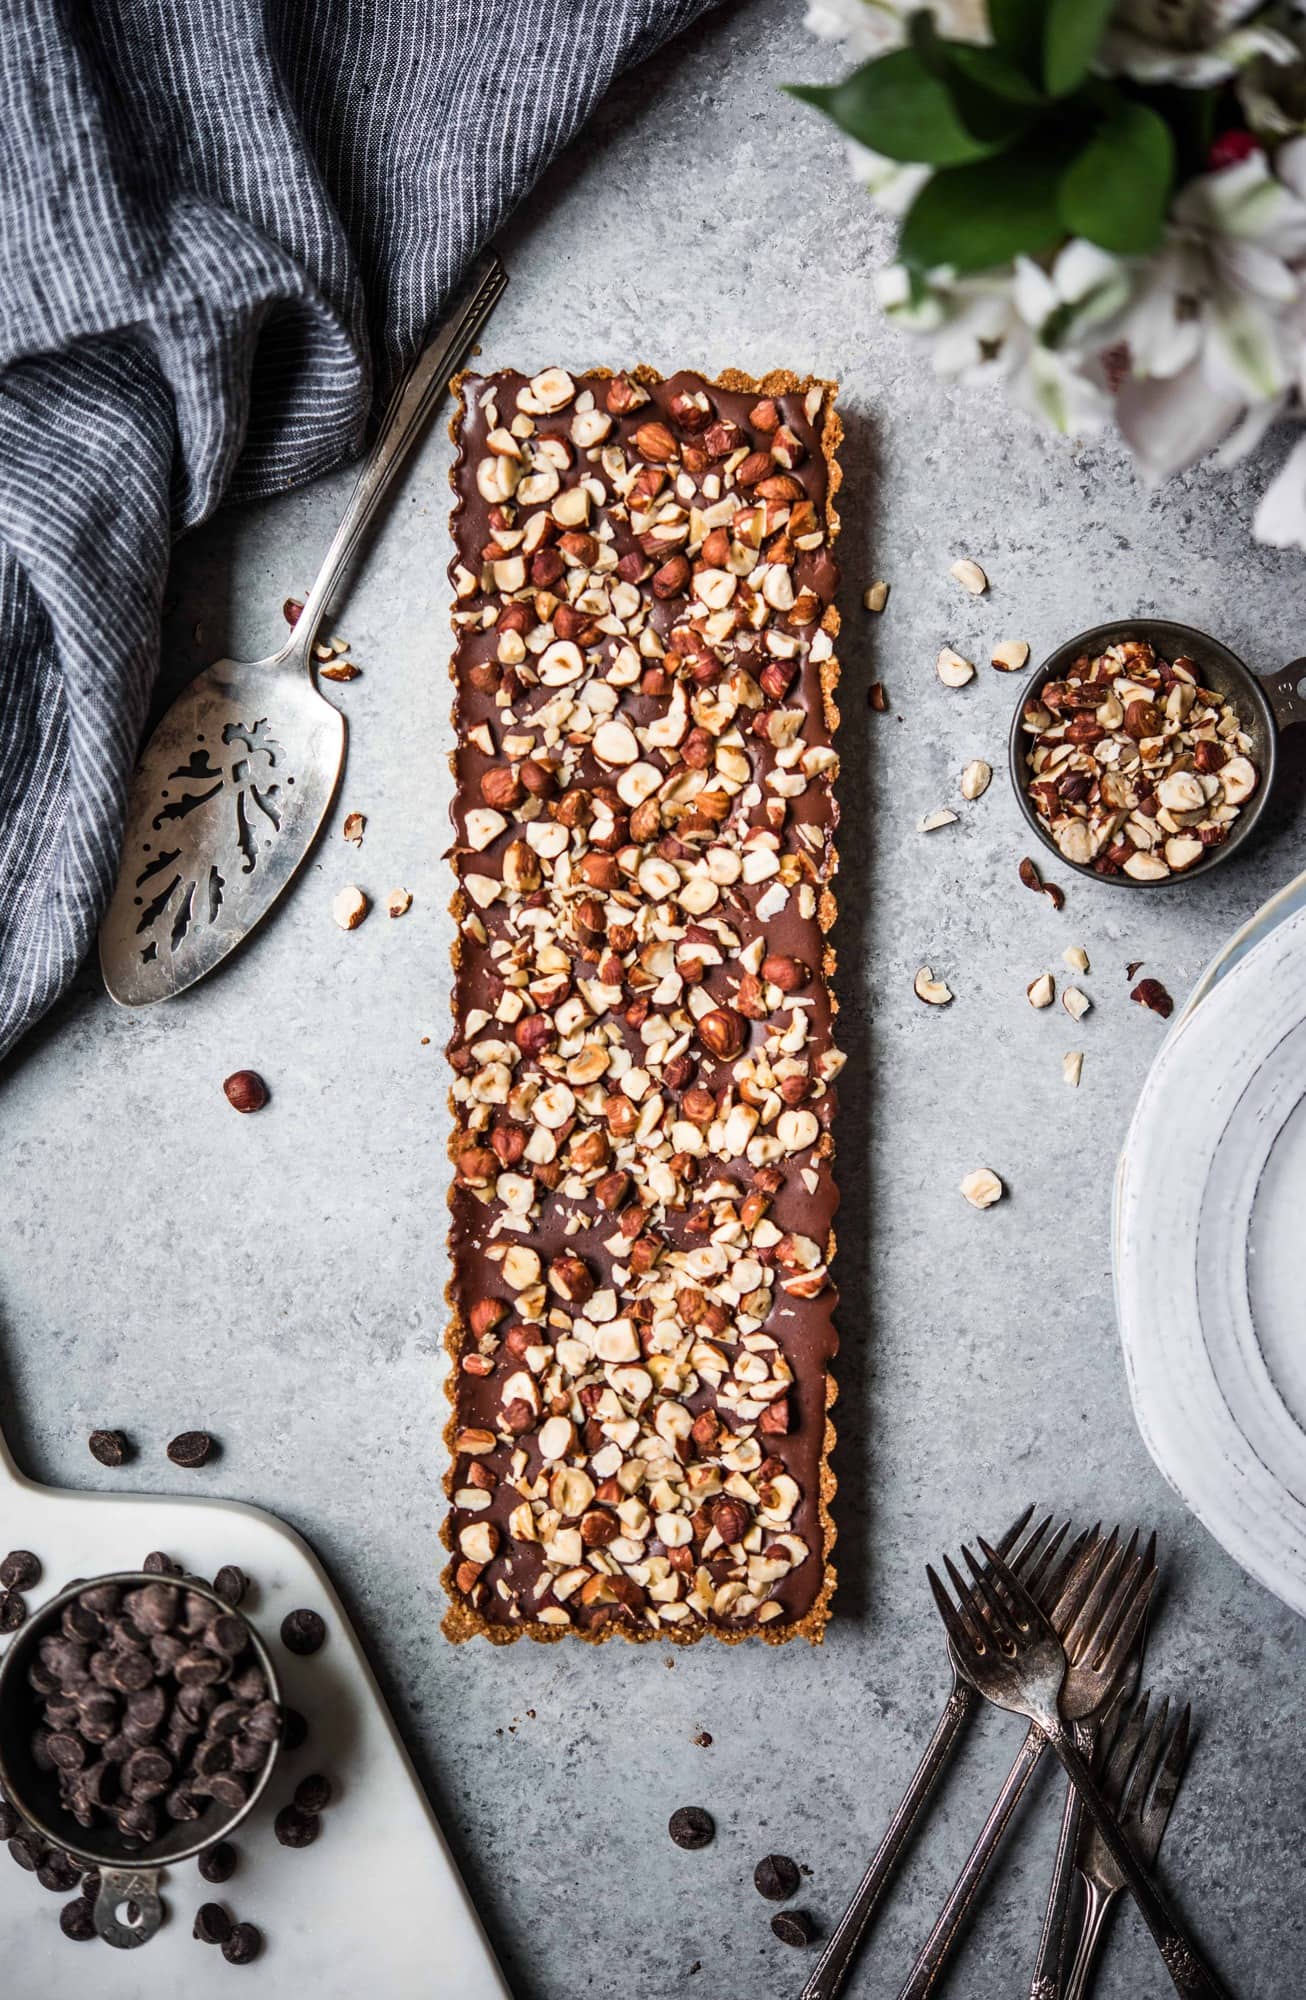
233	785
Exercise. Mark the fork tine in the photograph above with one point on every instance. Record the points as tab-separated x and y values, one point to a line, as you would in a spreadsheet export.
1146	1766
1004	1625
968	1610
1089	1612
1169	1776
1081	1580
1117	1652
1102	1628
1015	1531
957	1631
1021	1608
1142	1569
1081	1550
1035	1576
1124	1747
1021	1558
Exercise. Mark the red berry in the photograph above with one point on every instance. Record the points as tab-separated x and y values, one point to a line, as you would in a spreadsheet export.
1230	147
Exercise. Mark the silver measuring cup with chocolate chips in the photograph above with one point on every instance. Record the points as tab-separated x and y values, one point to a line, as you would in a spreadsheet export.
140	1718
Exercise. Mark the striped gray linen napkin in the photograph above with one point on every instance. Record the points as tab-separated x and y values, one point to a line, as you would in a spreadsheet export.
224	225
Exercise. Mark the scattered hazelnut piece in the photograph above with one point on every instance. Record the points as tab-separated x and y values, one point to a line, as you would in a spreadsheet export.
1041	992
932	821
1076	957
876	597
982	1188
398	903
1151	993
970	576
349	908
952	670
975	778
353	828
878	696
935	992
246	1090
1010	656
1071	1065
1075	1003
339	670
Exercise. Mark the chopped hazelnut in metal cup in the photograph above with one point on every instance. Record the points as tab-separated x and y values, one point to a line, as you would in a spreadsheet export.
1133	764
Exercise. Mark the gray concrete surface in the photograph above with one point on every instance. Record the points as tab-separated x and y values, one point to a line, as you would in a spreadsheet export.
164	1263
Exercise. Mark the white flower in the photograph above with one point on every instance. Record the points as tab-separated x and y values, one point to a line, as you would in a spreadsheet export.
893	185
1038	331
1280	518
1195	43
1211	332
869	27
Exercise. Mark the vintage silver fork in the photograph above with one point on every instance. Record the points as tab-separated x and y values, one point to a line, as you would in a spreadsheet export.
1032	1559
1145	1782
1098	1614
1008	1648
1050	1960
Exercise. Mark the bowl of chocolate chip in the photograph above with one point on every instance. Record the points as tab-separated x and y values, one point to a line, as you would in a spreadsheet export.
1143	751
140	1718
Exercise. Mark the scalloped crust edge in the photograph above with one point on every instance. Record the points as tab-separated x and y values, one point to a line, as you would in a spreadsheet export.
461	1621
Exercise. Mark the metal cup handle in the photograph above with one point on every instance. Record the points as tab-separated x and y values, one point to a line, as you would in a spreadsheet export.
128	1885
1286	692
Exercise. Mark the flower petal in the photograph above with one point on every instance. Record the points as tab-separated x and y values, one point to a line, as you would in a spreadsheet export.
1169	424
1280	518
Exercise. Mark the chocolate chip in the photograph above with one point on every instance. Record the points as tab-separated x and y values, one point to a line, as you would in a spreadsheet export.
212	1924
230	1584
9	1822
294	1828
792	1927
58	1872
218	1864
226	1788
20	1570
191	1449
294	1730
776	1877
102	1598
228	1634
91	1883
76	1921
691	1827
109	1447
313	1794
157	1564
13	1610
244	1944
26	1851
153	1608
302	1632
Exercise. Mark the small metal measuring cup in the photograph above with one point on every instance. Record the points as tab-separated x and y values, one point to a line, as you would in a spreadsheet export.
129	1873
1266	704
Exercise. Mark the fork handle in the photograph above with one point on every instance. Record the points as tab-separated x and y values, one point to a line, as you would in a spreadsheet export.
1050	1961
419	389
836	1961
934	1953
1191	1976
1096	1904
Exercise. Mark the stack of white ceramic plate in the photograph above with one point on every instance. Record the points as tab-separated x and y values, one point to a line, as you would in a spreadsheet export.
1210	1249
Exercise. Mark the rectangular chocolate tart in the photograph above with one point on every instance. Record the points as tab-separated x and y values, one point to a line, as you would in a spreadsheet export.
642	1201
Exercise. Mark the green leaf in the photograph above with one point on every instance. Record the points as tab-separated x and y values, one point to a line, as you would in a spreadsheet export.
1017	28
1071	39
989	71
1116	190
895	105
983	214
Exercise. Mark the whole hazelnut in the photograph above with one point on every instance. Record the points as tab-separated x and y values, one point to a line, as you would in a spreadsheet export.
246	1090
785	972
672	578
722	1033
501	787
